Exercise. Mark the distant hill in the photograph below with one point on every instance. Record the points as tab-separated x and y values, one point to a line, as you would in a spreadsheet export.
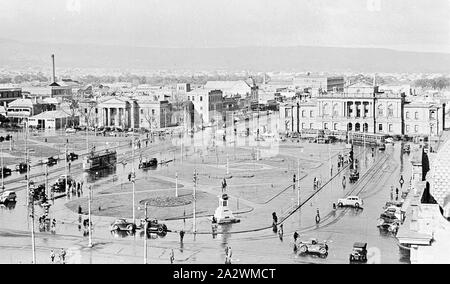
14	54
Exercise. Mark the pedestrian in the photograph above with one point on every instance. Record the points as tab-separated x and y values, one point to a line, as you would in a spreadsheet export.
396	191
80	210
281	230
275	218
181	236
230	253
62	256
172	257
295	236
52	256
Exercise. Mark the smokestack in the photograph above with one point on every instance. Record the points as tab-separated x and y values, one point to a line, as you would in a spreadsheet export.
53	62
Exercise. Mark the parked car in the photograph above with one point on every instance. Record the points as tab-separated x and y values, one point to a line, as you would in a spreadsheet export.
123	225
148	163
154	226
313	246
389	140
22	167
72	156
8	196
71	130
354	175
60	183
51	161
396	211
5	172
359	252
353	201
382	147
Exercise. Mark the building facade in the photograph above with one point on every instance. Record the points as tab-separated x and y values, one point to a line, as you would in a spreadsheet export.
126	113
8	95
362	107
208	105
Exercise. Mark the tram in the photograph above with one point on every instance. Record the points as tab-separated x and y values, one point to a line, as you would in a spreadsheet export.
100	160
366	138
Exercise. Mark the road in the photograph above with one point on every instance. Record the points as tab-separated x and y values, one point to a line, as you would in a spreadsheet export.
252	240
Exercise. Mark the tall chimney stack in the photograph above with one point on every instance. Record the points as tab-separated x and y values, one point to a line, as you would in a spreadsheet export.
53	62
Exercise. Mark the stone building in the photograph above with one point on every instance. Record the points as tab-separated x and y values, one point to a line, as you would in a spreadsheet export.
361	107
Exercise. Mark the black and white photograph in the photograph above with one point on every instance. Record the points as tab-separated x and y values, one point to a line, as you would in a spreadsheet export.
243	134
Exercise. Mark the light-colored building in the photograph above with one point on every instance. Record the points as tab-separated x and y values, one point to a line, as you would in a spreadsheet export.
230	88
208	105
54	119
124	112
362	107
324	83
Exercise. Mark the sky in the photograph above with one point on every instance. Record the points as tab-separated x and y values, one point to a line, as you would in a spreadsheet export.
413	25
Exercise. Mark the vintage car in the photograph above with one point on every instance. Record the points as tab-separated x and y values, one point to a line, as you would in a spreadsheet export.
123	225
72	156
51	161
22	167
354	176
359	252
388	221
60	183
148	163
153	226
313	246
5	172
8	196
353	201
394	210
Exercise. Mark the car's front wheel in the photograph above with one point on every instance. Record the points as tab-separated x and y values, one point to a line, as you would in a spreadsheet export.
323	251
130	228
340	204
357	205
115	228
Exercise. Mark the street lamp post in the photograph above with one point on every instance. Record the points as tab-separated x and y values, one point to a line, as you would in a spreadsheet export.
89	212
145	234
133	179
33	242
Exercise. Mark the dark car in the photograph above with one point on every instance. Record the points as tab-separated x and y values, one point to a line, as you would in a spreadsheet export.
407	148
154	226
72	156
22	167
5	172
148	163
52	161
60	184
359	252
382	147
123	225
354	176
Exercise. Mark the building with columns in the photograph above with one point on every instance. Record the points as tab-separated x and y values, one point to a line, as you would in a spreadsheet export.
362	107
125	112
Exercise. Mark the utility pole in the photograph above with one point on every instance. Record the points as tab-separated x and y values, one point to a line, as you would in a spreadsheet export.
33	242
194	229
298	182
3	172
145	234
133	179
228	169
46	181
89	212
65	169
176	184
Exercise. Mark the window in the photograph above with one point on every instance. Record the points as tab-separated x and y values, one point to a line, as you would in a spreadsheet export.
193	98
85	110
142	111
335	126
416	128
380	111
153	112
310	126
311	113
96	110
390	127
303	113
390	111
335	110
416	115
325	125
326	110
407	115
432	115
189	98
201	98
380	127
303	125
407	129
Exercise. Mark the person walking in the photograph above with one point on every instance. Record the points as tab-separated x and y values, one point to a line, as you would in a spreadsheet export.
62	256
52	256
172	256
295	236
181	236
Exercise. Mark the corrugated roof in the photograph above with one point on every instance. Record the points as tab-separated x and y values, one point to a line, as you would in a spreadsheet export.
439	175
